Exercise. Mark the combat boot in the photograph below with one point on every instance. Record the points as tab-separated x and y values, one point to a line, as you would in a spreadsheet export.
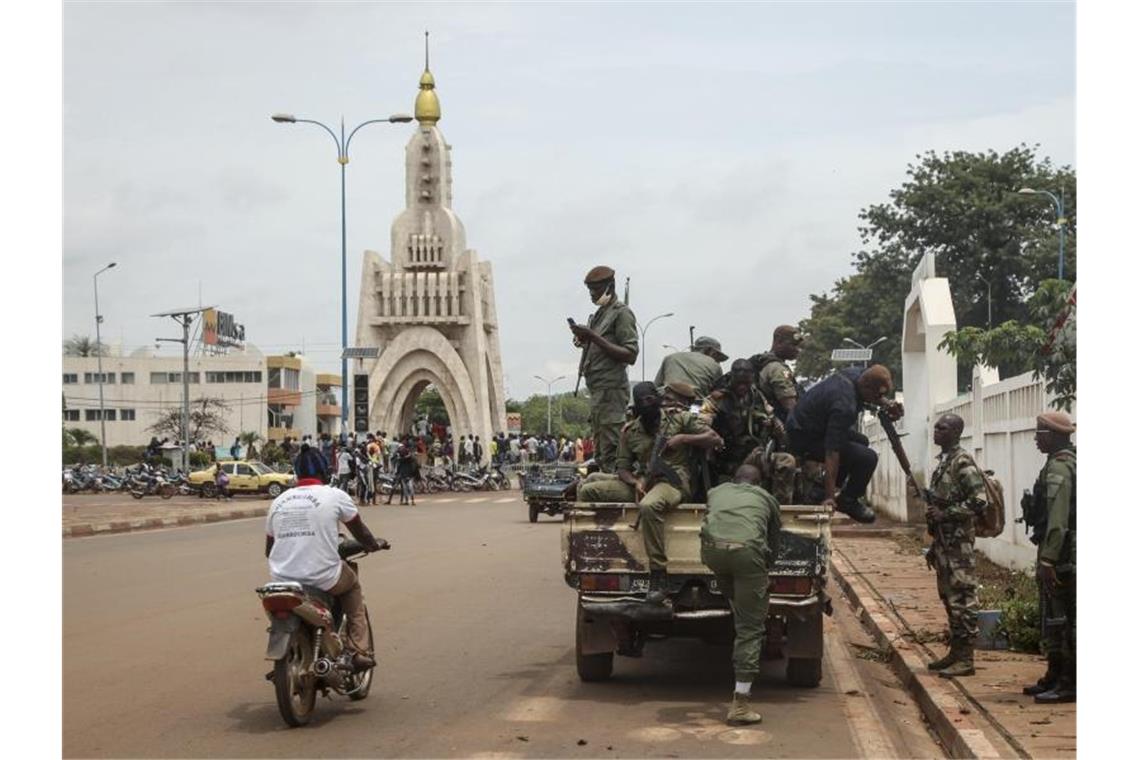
944	662
657	587
741	712
1064	691
1049	680
963	665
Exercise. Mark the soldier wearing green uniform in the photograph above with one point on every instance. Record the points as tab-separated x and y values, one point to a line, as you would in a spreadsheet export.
738	542
1055	532
609	345
773	376
958	493
741	415
658	441
699	367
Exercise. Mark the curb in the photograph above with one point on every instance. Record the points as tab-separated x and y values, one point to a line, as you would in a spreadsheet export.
83	530
939	702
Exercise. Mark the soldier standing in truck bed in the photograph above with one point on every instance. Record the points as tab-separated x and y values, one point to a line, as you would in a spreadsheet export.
1055	533
699	366
773	376
609	346
657	442
958	492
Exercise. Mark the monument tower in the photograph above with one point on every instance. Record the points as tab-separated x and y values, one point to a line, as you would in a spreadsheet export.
430	307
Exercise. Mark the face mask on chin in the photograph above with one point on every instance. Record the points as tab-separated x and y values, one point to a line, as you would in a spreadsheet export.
604	299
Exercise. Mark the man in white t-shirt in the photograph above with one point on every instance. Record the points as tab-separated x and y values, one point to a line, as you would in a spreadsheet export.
301	539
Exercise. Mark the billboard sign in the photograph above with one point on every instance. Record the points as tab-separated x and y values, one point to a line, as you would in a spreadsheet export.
220	329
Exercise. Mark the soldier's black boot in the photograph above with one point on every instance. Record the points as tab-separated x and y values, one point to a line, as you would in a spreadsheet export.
657	587
856	509
944	662
1047	681
1065	689
964	664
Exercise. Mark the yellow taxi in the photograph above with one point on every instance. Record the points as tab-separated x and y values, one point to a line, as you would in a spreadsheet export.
245	477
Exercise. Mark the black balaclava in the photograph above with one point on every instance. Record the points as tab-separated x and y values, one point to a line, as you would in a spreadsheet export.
647	405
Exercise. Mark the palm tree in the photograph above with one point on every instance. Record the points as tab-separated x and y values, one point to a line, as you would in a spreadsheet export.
81	437
82	345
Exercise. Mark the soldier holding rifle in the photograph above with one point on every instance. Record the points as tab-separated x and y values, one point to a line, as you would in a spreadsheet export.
1052	515
609	345
658	441
956	496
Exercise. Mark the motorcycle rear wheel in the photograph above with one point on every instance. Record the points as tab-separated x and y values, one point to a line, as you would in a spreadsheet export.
296	688
138	494
167	491
363	681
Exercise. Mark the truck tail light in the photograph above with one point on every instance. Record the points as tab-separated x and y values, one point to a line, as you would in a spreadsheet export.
795	585
599	582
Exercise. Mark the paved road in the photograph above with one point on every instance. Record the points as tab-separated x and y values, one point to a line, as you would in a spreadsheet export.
163	639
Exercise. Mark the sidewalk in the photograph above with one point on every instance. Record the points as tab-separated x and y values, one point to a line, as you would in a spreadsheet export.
984	715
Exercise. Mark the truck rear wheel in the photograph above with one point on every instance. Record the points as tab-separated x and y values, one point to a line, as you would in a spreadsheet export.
805	672
591	667
533	511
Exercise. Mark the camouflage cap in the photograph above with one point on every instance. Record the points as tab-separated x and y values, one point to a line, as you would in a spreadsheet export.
684	390
1056	422
710	344
599	274
788	333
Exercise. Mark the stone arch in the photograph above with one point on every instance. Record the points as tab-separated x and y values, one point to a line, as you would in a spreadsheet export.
418	356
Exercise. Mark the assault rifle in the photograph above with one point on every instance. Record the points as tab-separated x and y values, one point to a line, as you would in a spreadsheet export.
888	426
658	469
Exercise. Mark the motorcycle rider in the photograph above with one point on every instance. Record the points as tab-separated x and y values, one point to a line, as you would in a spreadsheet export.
301	545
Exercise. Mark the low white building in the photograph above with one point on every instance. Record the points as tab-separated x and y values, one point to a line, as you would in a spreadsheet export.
272	396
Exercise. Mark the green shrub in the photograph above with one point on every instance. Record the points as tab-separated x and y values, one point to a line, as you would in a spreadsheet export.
199	460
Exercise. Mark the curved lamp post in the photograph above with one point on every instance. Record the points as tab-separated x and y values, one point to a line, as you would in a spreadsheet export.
99	363
342	144
549	384
1059	207
643	331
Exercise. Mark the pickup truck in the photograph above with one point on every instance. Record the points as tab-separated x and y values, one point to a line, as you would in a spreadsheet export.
605	562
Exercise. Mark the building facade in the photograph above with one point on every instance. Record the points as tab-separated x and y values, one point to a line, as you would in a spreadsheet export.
274	396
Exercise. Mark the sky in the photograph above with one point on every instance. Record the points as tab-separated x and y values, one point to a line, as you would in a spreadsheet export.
716	154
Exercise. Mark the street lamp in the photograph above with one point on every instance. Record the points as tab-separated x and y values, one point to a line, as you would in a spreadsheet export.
342	144
549	384
867	347
99	362
643	331
1059	207
668	346
989	304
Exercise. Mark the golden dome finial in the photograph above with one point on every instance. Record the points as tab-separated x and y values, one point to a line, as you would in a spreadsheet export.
427	102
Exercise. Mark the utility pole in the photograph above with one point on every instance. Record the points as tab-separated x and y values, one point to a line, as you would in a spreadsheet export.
184	317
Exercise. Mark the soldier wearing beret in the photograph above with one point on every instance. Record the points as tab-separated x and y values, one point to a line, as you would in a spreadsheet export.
1055	495
653	467
609	346
773	376
699	366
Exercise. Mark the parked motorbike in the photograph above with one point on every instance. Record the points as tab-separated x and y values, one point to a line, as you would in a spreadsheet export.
151	484
307	635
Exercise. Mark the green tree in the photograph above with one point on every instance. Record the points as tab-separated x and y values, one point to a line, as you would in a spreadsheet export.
207	419
1046	344
430	404
963	207
83	345
569	415
81	437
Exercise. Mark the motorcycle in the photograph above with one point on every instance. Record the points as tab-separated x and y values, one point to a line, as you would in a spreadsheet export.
151	484
307	635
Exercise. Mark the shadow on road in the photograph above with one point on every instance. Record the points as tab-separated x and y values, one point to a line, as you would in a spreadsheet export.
263	717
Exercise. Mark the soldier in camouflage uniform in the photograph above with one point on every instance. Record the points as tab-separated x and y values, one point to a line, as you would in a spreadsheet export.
741	416
958	494
773	376
656	486
1056	535
609	345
